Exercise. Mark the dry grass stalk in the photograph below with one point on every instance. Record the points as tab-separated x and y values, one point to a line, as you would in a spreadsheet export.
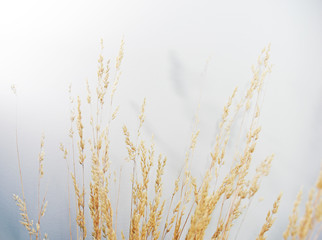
71	135
292	228
21	203
269	219
80	217
309	226
65	153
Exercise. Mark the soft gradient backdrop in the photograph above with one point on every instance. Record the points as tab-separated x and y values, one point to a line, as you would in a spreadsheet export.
175	52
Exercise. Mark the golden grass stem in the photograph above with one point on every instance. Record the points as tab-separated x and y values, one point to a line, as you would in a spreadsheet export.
118	199
18	158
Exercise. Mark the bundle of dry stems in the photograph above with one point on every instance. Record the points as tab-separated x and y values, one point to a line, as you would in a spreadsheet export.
189	212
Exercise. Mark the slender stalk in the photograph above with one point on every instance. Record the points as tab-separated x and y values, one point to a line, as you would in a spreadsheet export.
118	199
18	157
83	200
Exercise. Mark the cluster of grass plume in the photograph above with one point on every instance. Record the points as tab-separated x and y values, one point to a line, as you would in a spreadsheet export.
197	208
